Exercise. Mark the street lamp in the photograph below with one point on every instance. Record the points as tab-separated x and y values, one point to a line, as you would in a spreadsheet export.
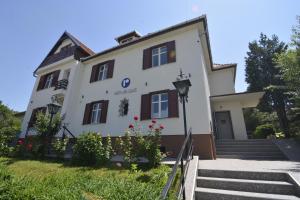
52	109
182	86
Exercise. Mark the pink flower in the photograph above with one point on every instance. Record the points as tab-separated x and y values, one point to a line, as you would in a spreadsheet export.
29	146
136	118
150	126
153	121
131	126
20	142
161	127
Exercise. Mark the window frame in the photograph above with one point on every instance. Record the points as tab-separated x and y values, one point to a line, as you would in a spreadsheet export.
48	81
159	55
102	68
160	114
97	111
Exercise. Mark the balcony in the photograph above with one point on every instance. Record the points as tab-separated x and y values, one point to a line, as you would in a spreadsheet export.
62	84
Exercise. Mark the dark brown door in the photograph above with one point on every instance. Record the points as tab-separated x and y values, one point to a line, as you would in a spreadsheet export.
223	125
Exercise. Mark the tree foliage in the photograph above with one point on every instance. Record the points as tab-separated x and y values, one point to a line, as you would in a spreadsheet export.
9	128
289	63
263	73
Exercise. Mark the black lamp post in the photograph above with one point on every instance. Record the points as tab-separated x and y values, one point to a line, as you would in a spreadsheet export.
182	86
52	109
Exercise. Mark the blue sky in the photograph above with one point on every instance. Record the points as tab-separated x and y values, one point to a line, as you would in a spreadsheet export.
30	28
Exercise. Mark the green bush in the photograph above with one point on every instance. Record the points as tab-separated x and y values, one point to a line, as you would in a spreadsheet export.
90	150
60	146
262	131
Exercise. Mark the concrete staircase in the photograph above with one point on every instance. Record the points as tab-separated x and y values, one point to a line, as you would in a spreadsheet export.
255	149
244	185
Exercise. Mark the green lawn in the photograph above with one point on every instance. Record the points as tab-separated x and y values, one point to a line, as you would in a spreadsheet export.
27	179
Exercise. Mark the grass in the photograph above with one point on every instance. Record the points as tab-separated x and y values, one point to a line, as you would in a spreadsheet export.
29	179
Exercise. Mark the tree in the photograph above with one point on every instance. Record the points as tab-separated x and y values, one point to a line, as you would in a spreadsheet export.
263	73
9	127
289	63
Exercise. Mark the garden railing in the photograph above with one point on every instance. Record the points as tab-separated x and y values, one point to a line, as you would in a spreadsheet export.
183	159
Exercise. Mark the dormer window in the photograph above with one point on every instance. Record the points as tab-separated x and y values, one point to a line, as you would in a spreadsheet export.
128	37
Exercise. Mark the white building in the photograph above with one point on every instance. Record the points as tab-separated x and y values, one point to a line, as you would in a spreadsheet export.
102	91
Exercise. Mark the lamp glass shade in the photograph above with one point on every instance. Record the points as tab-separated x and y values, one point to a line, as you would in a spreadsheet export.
182	86
53	108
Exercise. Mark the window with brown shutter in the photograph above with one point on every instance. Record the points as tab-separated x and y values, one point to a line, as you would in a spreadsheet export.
48	80
102	71
145	107
173	103
104	109
159	55
41	82
55	78
159	104
95	112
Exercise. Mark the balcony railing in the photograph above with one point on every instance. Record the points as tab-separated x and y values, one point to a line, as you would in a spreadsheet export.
61	84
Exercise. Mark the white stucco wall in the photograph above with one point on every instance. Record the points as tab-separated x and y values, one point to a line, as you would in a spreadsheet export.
128	64
222	82
237	117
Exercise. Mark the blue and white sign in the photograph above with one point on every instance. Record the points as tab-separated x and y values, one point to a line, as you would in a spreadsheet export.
125	82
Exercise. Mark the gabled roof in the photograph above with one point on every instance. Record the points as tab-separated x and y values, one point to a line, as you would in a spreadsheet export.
79	45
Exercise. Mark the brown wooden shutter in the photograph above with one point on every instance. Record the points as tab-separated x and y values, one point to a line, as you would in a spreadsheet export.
173	103
110	69
104	108
55	78
147	58
41	83
87	114
146	107
94	74
171	51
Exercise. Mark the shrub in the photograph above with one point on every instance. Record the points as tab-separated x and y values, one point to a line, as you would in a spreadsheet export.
60	146
262	131
128	150
108	148
147	145
89	150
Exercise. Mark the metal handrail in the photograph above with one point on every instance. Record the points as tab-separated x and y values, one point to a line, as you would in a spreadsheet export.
68	131
187	149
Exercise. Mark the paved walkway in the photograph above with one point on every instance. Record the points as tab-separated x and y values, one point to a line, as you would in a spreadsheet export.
252	165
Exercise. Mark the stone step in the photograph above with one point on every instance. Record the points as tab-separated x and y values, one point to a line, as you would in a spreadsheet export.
243	143
251	175
248	157
260	186
247	153
217	194
244	149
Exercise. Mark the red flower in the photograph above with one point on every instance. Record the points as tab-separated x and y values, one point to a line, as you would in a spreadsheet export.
20	142
136	118
29	146
131	126
153	121
150	126
161	127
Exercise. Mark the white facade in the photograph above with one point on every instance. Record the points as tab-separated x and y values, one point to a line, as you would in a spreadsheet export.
191	57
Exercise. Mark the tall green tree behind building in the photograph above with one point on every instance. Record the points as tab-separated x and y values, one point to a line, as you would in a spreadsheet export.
263	73
289	63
